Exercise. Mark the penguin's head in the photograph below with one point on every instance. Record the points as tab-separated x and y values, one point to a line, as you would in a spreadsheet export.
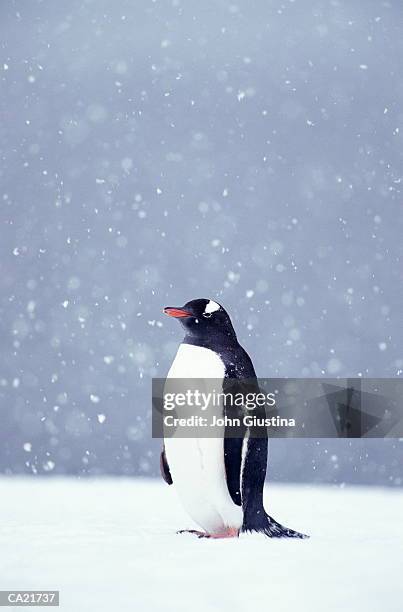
203	318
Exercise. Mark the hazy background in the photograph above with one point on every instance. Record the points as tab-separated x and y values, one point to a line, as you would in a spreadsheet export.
158	151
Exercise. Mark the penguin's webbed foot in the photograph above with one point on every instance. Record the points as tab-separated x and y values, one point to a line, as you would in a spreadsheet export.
228	532
199	534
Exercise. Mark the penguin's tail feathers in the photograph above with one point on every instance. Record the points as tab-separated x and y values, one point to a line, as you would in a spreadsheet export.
273	529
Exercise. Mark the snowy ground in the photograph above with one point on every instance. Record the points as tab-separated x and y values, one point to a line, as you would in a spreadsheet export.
110	545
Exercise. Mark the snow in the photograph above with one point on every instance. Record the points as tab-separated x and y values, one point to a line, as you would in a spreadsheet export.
110	544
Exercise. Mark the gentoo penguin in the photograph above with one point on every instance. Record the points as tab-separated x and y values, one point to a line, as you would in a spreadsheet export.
219	480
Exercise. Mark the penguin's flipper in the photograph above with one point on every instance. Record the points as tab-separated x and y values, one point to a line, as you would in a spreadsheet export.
164	467
233	461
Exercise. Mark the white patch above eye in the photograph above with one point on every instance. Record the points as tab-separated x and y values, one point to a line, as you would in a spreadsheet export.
211	307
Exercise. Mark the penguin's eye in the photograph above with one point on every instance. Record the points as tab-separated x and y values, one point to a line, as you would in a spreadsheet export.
207	315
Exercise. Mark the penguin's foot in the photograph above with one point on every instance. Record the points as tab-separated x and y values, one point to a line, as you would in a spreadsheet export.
199	534
229	532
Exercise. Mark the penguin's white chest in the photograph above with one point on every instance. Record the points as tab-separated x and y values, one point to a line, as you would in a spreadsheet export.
197	464
196	362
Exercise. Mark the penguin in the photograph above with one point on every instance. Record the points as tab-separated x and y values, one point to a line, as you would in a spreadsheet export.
218	480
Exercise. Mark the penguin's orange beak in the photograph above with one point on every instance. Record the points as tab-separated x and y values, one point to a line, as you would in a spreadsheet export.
178	313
